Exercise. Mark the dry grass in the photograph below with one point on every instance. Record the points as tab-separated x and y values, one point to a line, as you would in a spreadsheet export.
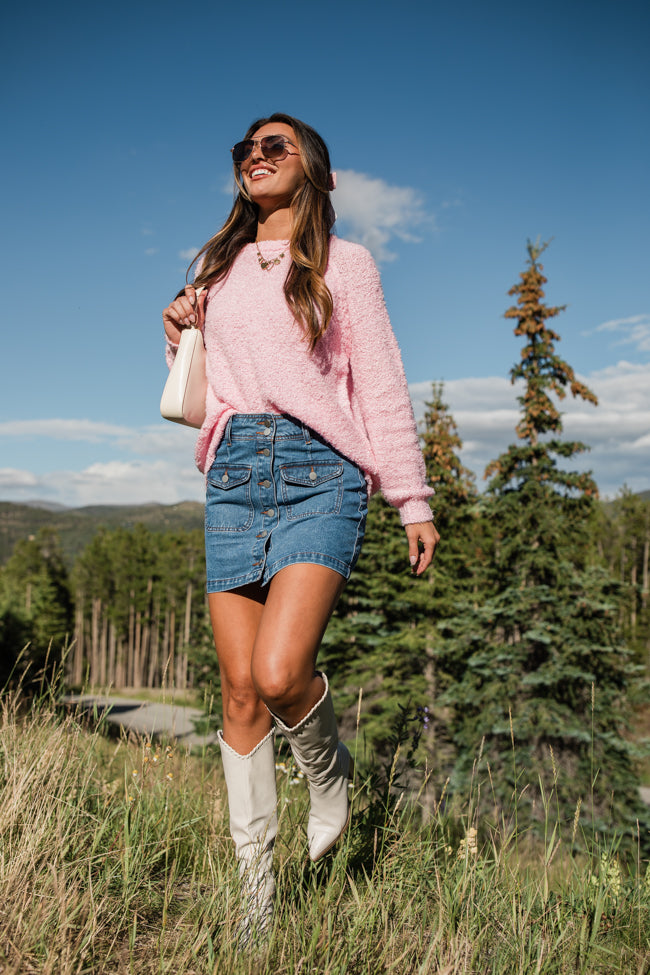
106	871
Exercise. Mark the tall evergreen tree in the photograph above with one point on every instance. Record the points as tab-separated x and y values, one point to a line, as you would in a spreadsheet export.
453	483
542	677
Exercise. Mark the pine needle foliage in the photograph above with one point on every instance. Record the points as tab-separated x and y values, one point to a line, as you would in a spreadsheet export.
36	614
539	663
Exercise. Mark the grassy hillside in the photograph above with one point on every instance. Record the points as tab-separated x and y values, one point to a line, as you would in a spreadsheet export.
119	860
76	526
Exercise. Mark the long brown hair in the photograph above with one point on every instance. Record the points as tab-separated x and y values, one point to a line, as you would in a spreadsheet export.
307	295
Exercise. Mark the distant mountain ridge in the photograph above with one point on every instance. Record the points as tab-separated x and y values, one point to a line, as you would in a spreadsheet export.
76	526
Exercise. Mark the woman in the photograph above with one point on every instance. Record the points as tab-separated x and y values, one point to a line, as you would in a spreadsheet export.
307	410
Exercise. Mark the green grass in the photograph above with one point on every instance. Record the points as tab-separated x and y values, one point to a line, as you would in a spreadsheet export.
115	858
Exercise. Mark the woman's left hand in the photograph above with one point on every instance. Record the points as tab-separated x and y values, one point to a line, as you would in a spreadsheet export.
421	533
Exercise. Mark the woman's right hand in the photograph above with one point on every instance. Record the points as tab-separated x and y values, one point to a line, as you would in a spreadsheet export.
183	312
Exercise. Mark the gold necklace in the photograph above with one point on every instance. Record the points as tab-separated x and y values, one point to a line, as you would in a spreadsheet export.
265	264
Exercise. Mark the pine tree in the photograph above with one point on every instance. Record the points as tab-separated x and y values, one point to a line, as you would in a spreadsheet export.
453	483
542	677
36	615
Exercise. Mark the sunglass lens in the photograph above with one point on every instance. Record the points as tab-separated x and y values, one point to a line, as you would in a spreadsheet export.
242	150
272	147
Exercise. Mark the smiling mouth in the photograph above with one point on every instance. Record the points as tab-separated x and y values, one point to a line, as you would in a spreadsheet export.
260	171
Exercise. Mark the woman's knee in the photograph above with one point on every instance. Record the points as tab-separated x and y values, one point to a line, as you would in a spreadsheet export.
280	687
241	702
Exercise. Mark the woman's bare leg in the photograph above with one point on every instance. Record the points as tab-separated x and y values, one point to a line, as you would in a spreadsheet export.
235	619
300	602
267	642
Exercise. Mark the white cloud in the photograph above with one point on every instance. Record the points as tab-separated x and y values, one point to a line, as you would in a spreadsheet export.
115	482
150	251
634	330
158	465
12	479
374	213
189	253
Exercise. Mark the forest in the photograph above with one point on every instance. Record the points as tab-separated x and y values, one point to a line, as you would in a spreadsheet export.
521	661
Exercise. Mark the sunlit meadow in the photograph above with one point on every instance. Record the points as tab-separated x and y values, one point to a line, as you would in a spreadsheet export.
115	858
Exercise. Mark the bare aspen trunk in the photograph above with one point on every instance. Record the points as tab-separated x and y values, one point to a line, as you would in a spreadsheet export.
171	651
111	654
103	651
120	664
136	677
76	673
153	678
145	652
130	650
188	614
165	651
94	647
181	671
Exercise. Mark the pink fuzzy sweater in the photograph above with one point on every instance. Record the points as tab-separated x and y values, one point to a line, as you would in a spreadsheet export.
351	390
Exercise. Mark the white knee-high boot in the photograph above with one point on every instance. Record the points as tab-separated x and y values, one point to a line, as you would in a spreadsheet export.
327	765
252	802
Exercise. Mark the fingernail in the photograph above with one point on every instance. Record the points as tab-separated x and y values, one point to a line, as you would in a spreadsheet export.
192	299
413	559
192	318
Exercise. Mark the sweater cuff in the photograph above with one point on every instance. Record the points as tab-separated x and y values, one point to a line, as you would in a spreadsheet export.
415	511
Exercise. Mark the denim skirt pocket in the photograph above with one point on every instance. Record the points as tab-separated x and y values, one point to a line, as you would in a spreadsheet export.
312	489
229	507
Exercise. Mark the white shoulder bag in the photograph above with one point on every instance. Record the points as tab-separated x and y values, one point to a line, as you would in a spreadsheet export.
183	398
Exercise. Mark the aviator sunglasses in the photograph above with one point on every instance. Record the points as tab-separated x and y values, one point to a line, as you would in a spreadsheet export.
272	147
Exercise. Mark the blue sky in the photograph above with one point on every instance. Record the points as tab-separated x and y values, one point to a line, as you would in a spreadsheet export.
458	132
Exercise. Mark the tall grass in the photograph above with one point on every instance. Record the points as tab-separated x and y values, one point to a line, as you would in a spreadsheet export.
115	858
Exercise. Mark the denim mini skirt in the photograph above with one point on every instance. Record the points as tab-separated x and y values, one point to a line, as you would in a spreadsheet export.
278	494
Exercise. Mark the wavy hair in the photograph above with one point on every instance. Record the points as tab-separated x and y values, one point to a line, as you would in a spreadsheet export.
307	295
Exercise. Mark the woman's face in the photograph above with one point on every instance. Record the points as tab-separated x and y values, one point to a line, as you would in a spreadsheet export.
272	184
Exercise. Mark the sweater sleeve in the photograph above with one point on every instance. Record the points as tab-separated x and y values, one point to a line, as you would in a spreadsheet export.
170	352
381	391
